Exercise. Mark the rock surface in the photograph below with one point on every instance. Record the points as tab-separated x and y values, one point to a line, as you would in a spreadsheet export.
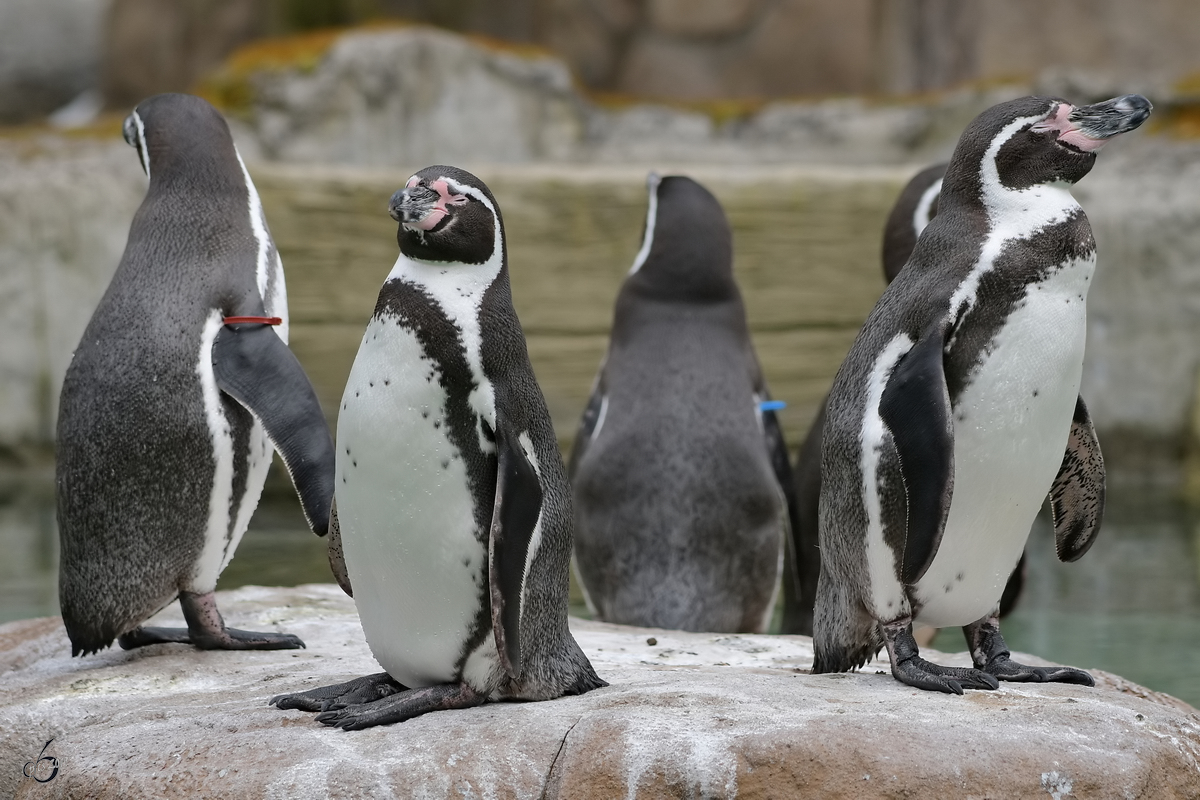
686	715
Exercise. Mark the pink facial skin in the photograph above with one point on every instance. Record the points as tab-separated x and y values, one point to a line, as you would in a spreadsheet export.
1067	132
435	215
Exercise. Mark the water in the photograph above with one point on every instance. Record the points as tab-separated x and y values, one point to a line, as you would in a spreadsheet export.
1130	606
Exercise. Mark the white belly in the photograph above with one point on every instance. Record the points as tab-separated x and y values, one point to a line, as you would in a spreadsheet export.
1010	434
408	531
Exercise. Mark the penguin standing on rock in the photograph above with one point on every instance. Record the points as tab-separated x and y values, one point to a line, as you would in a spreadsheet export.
180	386
948	421
680	470
453	510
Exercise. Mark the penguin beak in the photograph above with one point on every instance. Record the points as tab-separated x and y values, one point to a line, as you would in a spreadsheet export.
1112	117
413	204
1088	128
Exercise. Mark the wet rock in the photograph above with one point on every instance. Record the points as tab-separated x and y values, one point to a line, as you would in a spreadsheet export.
692	715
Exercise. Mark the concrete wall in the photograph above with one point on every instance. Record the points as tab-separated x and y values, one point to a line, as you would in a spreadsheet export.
806	244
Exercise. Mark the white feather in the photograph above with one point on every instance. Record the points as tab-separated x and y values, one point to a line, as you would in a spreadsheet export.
887	595
652	182
214	554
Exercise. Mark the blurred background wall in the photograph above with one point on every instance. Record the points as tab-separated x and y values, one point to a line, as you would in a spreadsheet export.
51	50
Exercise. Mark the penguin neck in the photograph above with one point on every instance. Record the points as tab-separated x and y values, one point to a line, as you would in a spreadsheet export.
669	283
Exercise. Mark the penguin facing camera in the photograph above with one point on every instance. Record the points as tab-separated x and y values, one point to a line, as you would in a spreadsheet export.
679	469
177	396
453	512
948	421
914	208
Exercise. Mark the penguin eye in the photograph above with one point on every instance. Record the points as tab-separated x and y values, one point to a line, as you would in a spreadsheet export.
458	200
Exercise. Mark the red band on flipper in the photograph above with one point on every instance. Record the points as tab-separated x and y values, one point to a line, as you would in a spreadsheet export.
259	320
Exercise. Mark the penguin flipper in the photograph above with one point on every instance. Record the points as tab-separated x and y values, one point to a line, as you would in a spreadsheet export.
515	516
253	366
915	407
1077	495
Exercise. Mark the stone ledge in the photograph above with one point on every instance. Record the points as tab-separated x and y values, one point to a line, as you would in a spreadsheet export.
693	715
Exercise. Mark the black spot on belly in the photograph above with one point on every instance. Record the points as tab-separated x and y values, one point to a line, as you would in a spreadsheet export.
354	461
437	424
1035	392
387	382
371	384
356	394
467	562
445	463
425	414
958	577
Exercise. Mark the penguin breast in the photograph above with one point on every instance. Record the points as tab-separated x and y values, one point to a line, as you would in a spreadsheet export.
412	548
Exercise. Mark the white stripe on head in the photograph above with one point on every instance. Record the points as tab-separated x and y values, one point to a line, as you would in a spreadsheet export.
143	151
1012	214
921	215
881	559
652	183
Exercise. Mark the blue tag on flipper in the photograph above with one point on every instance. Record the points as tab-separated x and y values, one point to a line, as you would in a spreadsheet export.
772	405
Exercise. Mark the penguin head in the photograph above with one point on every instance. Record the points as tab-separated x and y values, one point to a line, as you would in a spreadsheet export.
447	214
687	248
1037	140
176	132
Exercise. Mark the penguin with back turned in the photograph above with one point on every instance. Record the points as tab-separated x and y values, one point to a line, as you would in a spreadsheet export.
948	421
680	472
453	509
180	387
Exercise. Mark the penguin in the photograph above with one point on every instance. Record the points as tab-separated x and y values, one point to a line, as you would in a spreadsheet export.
957	408
177	396
679	469
453	512
913	210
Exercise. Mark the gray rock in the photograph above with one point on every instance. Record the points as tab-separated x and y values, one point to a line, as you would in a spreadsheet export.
687	715
417	96
50	52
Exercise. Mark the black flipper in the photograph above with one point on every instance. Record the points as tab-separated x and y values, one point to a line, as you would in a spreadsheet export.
1077	495
254	367
514	517
915	406
587	425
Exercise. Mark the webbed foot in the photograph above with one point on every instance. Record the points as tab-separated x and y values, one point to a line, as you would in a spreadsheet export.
908	666
991	654
331	698
402	706
206	630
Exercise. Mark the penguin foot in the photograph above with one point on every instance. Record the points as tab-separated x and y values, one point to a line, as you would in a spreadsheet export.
991	654
206	630
908	666
339	695
140	637
403	706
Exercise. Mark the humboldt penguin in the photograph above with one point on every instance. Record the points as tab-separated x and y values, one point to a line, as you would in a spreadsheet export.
177	396
679	468
453	510
957	409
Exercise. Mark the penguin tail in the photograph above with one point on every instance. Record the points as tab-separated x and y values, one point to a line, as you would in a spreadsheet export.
845	635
